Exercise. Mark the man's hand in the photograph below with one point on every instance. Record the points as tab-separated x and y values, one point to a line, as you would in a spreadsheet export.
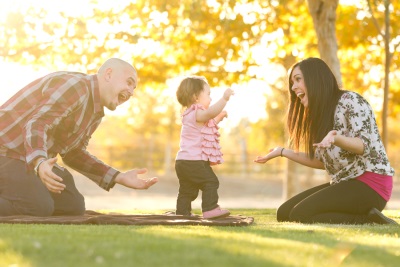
51	180
130	179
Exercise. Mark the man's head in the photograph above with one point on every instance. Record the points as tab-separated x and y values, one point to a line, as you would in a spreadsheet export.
117	80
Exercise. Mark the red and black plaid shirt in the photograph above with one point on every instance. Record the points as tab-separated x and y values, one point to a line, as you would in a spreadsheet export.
56	114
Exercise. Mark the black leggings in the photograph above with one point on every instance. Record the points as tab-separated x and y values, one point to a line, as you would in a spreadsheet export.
195	175
347	202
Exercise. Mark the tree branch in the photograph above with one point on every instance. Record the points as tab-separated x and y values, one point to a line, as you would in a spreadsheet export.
374	20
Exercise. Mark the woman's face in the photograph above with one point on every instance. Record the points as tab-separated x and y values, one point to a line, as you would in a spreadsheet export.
299	87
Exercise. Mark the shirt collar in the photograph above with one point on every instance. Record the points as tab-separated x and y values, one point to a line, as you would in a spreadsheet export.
94	85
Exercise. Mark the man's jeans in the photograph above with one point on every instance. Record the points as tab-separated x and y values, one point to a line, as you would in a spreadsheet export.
23	193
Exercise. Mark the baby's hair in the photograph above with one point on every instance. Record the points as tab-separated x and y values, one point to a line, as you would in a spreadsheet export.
189	89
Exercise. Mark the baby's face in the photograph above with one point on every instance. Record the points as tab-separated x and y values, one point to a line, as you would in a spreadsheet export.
204	98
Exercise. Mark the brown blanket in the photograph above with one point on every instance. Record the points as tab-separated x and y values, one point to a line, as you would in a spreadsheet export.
92	217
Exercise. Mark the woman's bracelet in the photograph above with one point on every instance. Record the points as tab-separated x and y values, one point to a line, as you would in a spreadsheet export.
282	150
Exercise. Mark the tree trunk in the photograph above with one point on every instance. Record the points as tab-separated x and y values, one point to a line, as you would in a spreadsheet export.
324	18
387	71
292	181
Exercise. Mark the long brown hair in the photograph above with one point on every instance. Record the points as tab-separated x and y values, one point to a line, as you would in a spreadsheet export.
310	125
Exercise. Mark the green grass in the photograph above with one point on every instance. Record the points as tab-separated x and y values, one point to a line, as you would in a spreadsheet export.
264	243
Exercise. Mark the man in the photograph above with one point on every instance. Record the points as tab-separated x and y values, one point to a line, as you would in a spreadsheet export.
56	115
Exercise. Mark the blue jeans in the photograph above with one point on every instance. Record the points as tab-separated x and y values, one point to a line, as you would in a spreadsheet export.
23	193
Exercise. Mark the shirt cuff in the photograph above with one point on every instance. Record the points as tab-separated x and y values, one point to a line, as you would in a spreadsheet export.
108	181
33	155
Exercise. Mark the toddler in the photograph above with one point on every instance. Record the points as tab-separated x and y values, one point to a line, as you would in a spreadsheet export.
199	147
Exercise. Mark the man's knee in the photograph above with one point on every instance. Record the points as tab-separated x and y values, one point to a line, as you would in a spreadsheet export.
75	206
41	208
79	205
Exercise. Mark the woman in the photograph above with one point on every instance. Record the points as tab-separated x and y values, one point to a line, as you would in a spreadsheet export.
338	131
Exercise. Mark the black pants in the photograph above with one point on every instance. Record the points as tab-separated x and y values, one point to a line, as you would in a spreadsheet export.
195	175
23	193
347	202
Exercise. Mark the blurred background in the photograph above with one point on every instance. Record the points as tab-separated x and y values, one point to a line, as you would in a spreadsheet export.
246	45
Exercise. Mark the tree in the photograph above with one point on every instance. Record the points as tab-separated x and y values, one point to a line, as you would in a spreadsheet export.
388	58
323	14
226	41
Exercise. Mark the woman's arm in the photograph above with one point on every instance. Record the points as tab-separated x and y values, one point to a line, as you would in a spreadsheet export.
298	157
352	144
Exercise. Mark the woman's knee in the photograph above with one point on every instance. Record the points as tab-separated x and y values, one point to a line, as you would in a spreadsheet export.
299	215
282	214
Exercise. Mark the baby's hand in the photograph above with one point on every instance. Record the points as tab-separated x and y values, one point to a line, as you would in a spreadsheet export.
223	114
228	93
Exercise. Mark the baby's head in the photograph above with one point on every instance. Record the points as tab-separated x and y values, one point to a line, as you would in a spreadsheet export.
190	89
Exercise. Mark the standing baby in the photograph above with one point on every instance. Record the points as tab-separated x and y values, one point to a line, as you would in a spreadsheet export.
199	147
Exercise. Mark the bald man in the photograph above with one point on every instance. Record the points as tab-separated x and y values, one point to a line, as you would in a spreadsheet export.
56	115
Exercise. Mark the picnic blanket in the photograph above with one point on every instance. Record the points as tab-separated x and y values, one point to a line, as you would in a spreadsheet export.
92	217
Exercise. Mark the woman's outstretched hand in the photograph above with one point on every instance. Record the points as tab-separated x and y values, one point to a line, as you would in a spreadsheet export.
328	140
130	179
273	153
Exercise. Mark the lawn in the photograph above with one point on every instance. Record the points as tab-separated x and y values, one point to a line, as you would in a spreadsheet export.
264	243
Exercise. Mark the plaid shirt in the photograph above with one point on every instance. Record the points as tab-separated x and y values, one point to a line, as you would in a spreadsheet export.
56	114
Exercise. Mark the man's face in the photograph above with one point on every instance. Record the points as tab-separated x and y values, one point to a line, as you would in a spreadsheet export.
122	83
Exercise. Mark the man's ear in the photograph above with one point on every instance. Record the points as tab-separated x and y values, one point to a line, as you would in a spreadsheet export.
108	74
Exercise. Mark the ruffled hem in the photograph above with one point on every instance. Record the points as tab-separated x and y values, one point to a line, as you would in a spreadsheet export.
211	150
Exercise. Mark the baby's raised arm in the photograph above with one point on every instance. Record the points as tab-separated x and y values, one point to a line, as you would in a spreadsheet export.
214	110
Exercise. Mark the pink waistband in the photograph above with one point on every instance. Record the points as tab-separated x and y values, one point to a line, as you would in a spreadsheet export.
382	184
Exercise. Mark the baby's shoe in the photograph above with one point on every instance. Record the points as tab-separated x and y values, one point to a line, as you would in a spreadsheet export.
216	213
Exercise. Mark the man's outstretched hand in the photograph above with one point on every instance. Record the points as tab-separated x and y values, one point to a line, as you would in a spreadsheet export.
130	179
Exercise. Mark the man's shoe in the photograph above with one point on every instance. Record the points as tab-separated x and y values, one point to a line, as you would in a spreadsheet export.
216	213
376	216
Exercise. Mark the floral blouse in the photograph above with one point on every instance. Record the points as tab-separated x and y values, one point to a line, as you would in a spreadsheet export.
354	118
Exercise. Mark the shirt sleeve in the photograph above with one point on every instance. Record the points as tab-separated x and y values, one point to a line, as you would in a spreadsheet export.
354	119
60	96
85	163
88	165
